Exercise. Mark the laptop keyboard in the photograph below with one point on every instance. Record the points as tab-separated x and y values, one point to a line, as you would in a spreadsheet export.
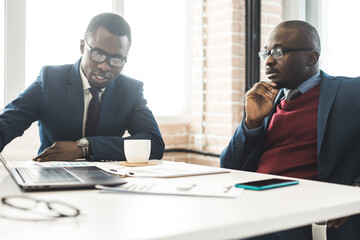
43	175
90	173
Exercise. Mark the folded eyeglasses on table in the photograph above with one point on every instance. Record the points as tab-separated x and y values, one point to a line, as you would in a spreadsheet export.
25	208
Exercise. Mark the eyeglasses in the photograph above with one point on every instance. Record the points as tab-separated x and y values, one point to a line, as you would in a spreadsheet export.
32	209
99	56
278	53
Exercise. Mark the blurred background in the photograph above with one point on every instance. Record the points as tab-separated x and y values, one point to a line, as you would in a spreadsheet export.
196	58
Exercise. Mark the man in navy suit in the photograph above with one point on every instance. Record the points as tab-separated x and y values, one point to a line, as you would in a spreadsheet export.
61	96
301	123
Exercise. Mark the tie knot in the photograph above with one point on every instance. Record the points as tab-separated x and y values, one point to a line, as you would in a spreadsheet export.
94	92
293	93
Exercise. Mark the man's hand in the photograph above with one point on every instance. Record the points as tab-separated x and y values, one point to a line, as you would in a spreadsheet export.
336	222
339	221
61	150
259	101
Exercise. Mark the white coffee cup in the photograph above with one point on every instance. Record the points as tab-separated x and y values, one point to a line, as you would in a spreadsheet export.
137	150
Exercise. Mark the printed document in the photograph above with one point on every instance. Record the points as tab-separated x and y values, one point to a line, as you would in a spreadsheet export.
163	169
167	187
170	169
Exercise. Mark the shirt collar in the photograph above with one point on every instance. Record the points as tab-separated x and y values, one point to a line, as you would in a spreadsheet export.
307	85
84	80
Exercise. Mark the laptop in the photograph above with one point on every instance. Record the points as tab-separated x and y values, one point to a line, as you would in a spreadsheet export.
60	178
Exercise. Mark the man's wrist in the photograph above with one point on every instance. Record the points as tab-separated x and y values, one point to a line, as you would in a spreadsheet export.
251	124
84	145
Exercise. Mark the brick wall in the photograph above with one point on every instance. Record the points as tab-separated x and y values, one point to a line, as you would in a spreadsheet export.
176	136
270	17
218	81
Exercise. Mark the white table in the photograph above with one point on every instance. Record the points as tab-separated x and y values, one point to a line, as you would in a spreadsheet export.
139	216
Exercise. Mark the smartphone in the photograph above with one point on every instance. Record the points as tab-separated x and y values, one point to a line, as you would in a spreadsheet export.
267	184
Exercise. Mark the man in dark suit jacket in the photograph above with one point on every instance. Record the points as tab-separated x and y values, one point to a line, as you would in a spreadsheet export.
315	135
60	97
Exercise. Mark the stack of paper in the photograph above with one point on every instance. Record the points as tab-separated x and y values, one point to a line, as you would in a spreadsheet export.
166	187
169	169
164	169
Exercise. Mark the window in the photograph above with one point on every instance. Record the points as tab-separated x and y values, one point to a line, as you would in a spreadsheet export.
2	34
53	36
335	21
159	55
50	33
340	37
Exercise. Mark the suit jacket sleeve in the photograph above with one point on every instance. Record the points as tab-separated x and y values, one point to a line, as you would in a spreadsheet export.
21	113
242	151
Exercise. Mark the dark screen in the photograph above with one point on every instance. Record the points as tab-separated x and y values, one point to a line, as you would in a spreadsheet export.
266	182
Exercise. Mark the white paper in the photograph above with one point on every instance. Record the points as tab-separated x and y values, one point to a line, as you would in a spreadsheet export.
110	167
164	169
170	169
64	164
166	187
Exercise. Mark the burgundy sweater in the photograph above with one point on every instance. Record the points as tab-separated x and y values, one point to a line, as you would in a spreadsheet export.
290	147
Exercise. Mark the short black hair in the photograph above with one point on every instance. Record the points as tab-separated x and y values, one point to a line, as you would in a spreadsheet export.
307	29
112	22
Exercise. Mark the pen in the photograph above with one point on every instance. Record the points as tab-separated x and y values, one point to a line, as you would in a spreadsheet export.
113	170
131	173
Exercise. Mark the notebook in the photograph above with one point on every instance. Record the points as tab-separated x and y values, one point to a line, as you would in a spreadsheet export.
60	178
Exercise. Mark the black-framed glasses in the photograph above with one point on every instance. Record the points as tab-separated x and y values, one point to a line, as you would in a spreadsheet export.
278	53
26	208
99	56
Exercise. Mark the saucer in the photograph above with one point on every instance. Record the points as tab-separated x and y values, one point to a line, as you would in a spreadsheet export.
127	164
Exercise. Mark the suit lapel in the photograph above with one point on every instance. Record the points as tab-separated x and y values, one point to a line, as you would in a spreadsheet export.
75	101
328	89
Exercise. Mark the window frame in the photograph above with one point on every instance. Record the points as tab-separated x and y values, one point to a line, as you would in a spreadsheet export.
14	53
14	48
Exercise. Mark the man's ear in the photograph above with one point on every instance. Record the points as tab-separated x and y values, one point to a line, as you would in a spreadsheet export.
313	58
82	46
